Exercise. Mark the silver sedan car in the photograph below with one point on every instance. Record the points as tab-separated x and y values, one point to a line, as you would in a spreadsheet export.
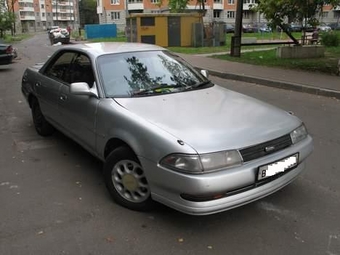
163	130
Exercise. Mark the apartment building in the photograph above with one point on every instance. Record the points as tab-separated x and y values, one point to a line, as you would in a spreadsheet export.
38	15
330	14
115	11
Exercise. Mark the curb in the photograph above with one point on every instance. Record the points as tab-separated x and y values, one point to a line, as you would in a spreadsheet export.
278	84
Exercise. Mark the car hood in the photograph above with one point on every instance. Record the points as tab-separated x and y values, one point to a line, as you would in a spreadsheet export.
213	119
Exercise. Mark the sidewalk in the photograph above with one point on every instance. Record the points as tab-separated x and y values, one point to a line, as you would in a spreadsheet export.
313	83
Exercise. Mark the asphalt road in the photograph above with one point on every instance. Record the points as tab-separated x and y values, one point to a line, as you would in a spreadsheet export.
53	199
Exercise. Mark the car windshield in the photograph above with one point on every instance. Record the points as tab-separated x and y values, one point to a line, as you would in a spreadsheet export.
146	74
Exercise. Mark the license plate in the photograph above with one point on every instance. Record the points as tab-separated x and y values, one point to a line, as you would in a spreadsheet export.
277	167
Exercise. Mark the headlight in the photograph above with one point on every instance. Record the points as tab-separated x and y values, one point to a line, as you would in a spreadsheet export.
298	134
182	162
218	160
202	163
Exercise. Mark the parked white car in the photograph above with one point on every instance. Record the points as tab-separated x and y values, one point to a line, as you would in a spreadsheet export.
324	28
58	34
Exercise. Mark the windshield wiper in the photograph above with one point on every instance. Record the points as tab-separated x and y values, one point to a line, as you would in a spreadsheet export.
202	84
158	89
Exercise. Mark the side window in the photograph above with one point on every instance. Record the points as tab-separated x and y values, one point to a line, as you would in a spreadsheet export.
81	70
59	70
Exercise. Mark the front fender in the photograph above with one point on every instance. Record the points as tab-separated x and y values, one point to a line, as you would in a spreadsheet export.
146	139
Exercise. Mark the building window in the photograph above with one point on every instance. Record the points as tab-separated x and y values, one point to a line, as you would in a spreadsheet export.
336	15
135	1
147	21
231	1
246	14
42	6
217	14
42	14
217	1
155	1
230	15
325	14
115	2
115	15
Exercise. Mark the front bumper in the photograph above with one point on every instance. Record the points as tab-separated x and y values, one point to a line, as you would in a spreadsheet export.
167	186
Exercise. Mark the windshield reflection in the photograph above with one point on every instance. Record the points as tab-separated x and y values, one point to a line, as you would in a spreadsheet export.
146	73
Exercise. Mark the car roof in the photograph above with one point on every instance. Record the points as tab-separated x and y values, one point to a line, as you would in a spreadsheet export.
103	48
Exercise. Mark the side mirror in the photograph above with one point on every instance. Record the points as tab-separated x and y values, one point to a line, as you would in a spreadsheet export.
205	73
82	88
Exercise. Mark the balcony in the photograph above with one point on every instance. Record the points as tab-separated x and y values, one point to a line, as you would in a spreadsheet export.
65	11
65	3
99	9
218	6
27	17
135	6
26	9
63	18
247	7
26	1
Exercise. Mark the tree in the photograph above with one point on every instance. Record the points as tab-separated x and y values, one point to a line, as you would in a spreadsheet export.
88	12
178	6
281	12
6	18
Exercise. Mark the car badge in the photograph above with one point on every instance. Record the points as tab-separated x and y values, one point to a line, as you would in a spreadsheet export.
269	148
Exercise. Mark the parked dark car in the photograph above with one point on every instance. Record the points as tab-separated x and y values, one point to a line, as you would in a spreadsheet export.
249	28
7	54
295	28
334	26
229	28
265	29
308	28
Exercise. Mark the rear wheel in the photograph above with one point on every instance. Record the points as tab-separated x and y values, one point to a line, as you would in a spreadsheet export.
41	125
126	181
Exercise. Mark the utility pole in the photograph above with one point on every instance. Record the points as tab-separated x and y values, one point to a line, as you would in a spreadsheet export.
56	12
235	49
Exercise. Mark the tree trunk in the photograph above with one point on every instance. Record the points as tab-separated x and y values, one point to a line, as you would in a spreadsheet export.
284	28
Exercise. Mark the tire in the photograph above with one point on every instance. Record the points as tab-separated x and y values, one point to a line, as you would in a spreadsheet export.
41	125
125	179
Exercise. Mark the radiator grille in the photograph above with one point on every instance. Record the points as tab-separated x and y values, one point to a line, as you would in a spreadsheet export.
266	148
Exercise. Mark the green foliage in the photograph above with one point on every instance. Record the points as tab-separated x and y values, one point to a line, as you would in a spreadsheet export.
180	6
330	39
6	21
6	17
177	6
88	12
286	11
282	12
327	64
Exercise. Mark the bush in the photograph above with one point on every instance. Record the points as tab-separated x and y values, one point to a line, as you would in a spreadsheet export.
330	39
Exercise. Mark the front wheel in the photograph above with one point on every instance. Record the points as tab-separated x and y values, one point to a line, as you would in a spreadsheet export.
126	181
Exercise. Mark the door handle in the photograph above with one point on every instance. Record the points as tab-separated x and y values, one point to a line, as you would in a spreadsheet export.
63	97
